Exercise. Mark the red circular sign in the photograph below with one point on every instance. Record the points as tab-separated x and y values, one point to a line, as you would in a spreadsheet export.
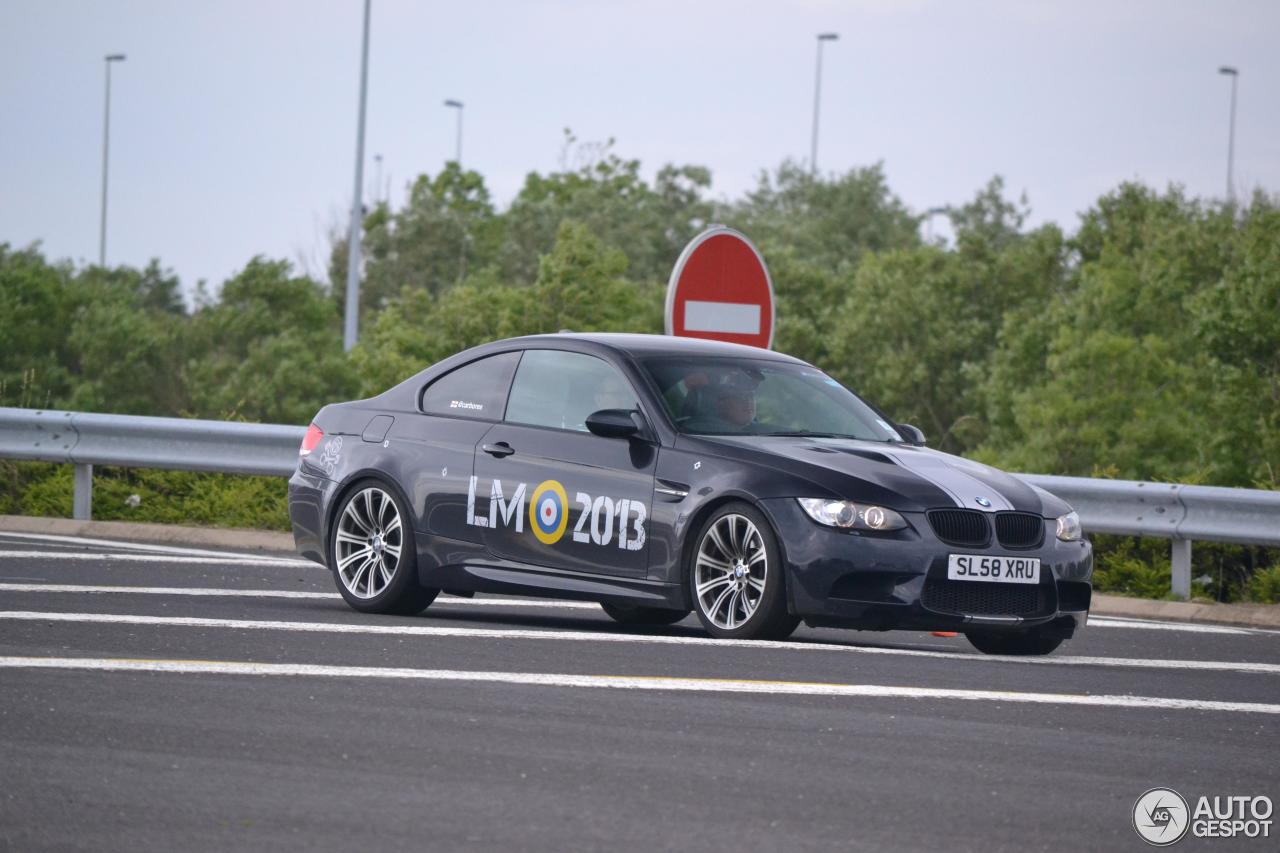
720	290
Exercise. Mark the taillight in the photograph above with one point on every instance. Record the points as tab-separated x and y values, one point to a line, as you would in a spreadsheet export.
310	440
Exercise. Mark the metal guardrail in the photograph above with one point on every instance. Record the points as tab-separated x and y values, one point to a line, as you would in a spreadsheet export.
177	444
1172	511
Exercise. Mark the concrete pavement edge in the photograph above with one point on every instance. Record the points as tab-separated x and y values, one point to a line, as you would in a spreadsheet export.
162	534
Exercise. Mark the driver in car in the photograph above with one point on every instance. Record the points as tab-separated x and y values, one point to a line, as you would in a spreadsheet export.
733	406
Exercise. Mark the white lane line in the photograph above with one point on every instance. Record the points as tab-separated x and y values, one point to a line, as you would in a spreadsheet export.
138	546
223	559
204	592
606	637
1095	621
622	682
166	590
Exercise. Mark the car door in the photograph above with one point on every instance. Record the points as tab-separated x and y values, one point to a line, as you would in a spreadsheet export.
548	492
436	448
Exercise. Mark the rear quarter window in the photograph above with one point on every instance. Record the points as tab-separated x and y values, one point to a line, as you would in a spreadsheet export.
476	390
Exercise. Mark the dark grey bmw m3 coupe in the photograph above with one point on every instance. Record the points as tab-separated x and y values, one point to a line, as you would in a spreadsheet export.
660	475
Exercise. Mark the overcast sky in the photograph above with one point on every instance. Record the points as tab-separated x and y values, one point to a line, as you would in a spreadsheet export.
233	123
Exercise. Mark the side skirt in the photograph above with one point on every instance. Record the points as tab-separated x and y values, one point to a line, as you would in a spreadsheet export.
464	578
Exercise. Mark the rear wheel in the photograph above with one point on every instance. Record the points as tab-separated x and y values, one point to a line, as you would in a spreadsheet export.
735	577
371	553
1029	642
629	614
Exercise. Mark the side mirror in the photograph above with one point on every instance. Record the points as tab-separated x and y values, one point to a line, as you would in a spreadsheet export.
913	435
612	423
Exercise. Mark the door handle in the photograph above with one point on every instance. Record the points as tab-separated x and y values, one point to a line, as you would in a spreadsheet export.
499	450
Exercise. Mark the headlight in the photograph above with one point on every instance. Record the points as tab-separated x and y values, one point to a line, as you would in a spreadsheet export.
851	516
1069	527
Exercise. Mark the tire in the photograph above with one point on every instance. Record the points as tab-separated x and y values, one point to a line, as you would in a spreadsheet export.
629	614
735	577
1022	643
372	552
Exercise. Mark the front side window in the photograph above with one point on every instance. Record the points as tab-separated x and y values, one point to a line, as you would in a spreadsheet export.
560	389
475	390
743	396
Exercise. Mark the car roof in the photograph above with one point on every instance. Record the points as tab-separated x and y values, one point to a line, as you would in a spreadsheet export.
656	345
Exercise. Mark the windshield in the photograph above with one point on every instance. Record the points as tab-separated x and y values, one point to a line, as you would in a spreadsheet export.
743	396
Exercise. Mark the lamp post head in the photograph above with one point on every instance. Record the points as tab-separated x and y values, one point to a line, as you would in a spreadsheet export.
452	103
1228	70
114	57
828	36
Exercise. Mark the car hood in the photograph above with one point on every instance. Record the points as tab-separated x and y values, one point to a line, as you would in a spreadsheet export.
899	476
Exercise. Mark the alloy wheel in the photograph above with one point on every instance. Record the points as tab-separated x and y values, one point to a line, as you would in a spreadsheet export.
369	542
731	570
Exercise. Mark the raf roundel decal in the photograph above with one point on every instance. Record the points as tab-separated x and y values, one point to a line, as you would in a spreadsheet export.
548	515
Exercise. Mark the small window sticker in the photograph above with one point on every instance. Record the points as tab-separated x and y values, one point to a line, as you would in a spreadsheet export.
466	404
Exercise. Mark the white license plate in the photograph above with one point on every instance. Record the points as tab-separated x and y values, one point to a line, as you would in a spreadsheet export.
973	567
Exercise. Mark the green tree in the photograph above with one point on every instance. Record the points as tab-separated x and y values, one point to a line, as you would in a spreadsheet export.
830	222
37	303
608	195
446	227
580	286
269	350
1237	321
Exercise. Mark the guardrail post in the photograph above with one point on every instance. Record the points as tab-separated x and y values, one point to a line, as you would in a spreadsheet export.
82	501
1181	559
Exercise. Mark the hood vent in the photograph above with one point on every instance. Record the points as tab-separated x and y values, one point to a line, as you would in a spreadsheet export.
867	454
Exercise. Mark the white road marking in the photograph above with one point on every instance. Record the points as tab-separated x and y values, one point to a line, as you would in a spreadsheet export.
205	592
140	546
622	682
222	560
607	637
1094	621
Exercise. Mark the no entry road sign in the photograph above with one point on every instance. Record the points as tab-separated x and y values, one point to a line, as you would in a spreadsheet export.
720	289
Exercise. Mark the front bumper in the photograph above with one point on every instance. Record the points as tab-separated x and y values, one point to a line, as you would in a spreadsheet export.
879	581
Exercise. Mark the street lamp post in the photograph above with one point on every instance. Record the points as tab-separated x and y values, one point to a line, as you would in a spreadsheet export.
817	92
106	137
1231	130
457	105
351	324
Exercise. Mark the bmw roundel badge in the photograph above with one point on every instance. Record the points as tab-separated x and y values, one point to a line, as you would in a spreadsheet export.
983	502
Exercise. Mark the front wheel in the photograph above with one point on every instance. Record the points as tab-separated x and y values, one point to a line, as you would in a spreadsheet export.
371	553
736	578
1022	643
629	614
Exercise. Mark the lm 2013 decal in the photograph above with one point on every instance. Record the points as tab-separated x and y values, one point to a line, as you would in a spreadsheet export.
599	518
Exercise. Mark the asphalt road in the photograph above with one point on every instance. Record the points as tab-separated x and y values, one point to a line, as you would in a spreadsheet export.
157	698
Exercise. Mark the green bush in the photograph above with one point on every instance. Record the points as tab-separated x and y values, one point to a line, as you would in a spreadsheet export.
1264	586
1130	566
164	497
